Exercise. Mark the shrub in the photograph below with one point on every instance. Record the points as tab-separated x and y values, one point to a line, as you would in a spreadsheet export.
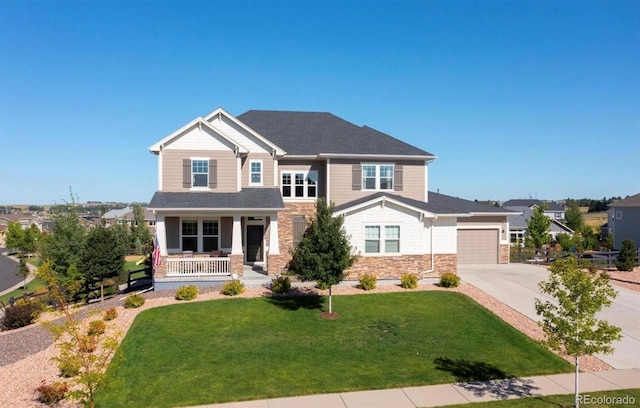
21	313
281	284
322	285
69	365
626	260
187	292
51	394
96	328
232	288
409	281
368	281
133	301
110	314
449	280
87	344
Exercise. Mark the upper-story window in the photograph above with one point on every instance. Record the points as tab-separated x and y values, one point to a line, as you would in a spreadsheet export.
255	176
299	184
377	176
199	173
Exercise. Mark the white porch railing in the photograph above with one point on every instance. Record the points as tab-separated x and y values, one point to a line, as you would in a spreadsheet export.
198	266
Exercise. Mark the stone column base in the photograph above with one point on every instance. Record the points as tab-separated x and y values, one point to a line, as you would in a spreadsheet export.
237	264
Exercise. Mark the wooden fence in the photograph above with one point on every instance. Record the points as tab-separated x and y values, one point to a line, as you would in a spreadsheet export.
601	259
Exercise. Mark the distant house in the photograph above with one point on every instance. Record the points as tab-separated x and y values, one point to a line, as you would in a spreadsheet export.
624	220
125	216
518	223
25	222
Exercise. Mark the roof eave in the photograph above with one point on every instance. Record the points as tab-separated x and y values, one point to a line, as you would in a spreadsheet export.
210	209
376	156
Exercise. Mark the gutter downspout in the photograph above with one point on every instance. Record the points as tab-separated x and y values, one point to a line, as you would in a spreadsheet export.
431	247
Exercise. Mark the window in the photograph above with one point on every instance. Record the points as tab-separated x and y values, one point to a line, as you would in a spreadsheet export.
372	239
300	184
210	235
200	173
255	176
377	176
375	244
618	215
190	235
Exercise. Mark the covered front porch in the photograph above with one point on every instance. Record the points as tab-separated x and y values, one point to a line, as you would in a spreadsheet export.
208	244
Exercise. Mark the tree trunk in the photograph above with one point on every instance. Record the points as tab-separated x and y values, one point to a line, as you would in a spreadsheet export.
101	292
330	308
576	384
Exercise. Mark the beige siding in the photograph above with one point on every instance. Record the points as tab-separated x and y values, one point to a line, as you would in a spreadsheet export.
305	165
341	186
267	169
172	169
226	231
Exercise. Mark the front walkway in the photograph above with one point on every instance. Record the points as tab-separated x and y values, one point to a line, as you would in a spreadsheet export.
450	394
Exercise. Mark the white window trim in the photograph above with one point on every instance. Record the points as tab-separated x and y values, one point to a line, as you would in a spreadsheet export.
377	166
305	196
618	215
200	231
200	188
382	240
261	183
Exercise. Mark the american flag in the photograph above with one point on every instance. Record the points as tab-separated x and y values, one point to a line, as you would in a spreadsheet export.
156	253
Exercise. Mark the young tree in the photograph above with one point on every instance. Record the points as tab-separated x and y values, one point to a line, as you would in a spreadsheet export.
15	236
627	257
537	227
89	348
22	270
102	258
324	251
140	236
573	215
30	239
570	327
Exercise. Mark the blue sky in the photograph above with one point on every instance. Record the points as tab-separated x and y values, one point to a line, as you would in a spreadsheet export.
516	99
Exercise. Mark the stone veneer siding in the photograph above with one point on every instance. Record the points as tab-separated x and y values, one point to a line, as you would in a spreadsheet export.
504	254
276	264
392	267
237	264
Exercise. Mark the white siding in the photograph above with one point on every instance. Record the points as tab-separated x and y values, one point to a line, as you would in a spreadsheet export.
199	139
239	135
445	236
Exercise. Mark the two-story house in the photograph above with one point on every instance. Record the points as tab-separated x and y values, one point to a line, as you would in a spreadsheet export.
236	191
624	220
518	223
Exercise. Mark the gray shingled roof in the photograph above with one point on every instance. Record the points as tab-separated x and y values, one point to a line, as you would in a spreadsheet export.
248	198
551	205
312	133
438	204
632	201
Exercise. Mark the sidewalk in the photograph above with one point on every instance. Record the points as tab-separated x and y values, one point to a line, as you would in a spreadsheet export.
450	394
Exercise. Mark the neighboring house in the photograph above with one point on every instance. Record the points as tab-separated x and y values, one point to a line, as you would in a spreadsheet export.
241	190
624	220
125	216
25	222
518	223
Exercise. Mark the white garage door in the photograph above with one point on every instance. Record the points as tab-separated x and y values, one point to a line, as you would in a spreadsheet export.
477	246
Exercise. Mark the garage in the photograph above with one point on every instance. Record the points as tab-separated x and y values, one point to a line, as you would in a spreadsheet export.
477	246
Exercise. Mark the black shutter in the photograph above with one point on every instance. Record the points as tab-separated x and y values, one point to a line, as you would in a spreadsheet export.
397	177
213	174
186	173
356	177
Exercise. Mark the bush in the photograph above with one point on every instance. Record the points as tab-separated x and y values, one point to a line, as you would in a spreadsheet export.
626	260
22	313
134	301
69	365
232	288
281	284
187	292
51	394
96	328
368	282
87	344
110	314
449	280
322	285
409	281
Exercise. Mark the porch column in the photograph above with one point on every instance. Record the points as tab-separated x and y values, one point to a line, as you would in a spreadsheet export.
161	233
236	237
274	247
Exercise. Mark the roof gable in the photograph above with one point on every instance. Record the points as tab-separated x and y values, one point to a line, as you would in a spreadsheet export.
202	126
318	133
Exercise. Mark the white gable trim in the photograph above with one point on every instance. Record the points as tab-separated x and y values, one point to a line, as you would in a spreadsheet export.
157	147
382	201
276	149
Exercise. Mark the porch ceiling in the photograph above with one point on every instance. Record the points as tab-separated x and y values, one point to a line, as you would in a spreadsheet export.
268	199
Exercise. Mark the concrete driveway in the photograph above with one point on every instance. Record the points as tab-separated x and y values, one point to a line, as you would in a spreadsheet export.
517	285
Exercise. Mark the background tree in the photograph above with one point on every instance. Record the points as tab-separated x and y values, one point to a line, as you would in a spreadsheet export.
31	239
22	270
573	216
140	236
14	236
324	251
537	227
627	257
102	258
570	327
589	240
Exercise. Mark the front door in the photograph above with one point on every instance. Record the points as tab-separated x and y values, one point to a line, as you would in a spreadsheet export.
255	234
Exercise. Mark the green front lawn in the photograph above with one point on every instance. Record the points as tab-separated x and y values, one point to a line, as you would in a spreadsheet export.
244	349
559	401
19	292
